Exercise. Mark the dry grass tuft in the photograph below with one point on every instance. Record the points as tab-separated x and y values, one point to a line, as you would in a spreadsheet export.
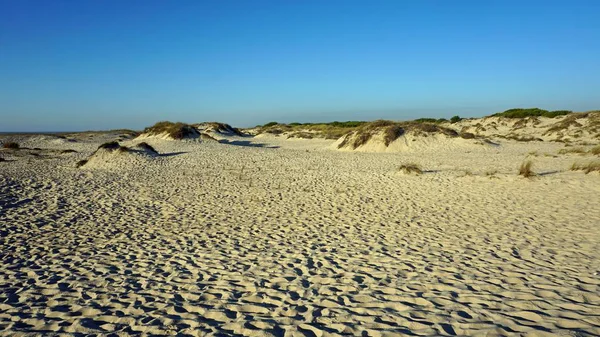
410	168
579	150
595	150
11	145
147	147
525	169
587	168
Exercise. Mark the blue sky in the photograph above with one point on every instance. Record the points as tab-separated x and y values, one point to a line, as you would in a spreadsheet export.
77	65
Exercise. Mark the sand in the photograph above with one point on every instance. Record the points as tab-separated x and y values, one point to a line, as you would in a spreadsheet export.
284	237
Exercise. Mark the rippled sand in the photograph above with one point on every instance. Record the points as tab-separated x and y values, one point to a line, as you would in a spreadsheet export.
290	238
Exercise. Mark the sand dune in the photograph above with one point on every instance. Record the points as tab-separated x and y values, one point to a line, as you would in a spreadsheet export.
287	237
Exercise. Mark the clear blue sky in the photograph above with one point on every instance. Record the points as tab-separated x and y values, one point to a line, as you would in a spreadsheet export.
76	65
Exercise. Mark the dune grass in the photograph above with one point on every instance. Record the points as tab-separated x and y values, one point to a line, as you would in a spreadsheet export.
531	112
410	168
391	131
593	166
525	169
174	130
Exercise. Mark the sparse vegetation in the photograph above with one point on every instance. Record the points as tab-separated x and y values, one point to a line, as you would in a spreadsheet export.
455	119
174	130
110	146
587	168
410	168
579	150
531	112
113	146
147	147
466	135
595	150
391	131
525	169
11	145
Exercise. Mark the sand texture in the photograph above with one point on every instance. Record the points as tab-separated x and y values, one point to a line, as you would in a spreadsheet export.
273	237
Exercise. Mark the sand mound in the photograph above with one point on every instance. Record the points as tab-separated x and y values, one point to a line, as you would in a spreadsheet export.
170	131
114	155
220	129
388	136
574	127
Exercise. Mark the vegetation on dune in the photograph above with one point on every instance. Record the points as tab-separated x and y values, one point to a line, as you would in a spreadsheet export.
332	130
113	146
525	169
147	147
531	112
587	168
174	130
455	119
11	145
391	131
222	127
595	150
410	168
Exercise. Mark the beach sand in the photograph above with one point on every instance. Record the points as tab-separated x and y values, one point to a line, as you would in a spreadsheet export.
272	237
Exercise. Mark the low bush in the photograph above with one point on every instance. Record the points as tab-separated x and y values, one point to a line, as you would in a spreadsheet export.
11	145
410	168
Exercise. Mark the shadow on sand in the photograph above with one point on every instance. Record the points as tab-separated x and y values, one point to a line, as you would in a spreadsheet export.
171	154
246	143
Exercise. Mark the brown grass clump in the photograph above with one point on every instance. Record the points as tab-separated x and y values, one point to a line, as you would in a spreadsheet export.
410	168
147	147
174	130
466	135
391	131
113	146
11	145
525	169
587	168
595	150
110	146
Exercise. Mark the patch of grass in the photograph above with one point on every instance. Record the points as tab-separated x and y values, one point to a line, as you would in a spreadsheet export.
147	147
595	150
531	112
579	150
410	168
525	169
587	168
11	145
110	146
391	131
174	130
466	135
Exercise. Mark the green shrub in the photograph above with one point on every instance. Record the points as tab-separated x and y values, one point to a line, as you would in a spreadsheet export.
455	119
531	112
